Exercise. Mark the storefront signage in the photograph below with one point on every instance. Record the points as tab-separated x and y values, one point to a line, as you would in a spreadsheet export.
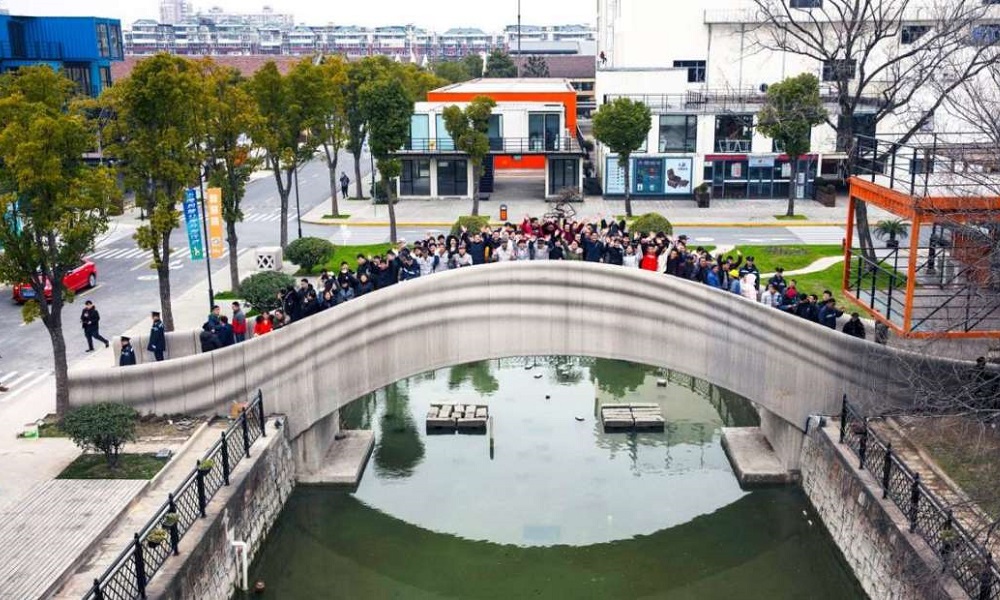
213	206
651	176
761	161
193	222
614	177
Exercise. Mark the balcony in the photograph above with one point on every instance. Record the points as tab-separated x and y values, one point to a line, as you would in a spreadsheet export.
565	145
711	101
733	146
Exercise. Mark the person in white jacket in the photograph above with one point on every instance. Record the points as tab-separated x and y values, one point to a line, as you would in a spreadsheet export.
630	259
505	251
748	287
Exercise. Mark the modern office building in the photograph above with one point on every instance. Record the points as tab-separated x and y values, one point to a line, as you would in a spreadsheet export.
84	48
533	128
704	82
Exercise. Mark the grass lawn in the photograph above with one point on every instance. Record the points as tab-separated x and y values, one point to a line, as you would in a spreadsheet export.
790	258
349	254
130	466
829	279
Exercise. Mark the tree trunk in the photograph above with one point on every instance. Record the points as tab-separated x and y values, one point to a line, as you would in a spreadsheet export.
61	367
357	176
392	212
163	276
334	207
790	212
234	263
283	195
475	190
628	188
846	144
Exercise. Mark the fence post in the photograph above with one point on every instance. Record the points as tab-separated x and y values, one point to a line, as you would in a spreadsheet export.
863	446
986	579
200	480
260	413
98	594
225	459
175	539
886	470
914	502
843	418
140	566
246	433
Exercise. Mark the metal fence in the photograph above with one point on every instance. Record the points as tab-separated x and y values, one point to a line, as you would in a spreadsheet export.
962	555
129	574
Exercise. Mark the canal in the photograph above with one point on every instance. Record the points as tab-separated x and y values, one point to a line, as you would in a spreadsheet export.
556	508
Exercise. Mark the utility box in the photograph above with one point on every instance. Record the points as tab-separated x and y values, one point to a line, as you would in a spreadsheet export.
269	258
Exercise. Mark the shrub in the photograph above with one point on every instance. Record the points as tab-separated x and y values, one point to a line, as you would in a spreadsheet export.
105	427
260	290
471	223
652	223
308	252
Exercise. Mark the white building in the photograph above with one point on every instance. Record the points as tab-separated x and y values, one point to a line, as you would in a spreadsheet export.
704	82
174	11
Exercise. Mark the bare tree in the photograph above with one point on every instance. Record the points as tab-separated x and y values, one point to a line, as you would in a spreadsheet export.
884	58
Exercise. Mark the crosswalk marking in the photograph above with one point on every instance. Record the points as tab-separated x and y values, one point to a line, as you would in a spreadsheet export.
266	217
19	380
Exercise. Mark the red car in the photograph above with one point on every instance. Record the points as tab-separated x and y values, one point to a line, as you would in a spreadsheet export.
80	278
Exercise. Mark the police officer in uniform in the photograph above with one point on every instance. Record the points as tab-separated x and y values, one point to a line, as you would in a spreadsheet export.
127	356
157	338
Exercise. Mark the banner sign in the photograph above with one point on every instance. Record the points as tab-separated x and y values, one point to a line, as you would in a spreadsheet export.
213	205
193	221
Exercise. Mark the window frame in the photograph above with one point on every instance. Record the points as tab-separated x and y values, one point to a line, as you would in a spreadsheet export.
833	68
689	125
696	69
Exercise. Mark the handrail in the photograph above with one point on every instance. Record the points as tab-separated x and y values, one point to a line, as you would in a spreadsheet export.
962	555
128	575
563	144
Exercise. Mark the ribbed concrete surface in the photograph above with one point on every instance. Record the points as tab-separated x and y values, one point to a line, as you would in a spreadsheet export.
43	536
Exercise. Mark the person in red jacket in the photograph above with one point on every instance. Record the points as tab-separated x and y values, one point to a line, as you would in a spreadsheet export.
239	323
261	326
649	261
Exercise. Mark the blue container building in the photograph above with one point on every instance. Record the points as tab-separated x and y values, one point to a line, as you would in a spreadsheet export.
81	47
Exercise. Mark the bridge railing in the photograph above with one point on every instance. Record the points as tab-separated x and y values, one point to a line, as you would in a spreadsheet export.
129	575
962	555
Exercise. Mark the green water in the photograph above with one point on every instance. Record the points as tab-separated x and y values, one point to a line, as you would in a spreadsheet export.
558	509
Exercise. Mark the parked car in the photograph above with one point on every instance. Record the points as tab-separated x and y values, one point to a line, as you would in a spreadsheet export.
80	278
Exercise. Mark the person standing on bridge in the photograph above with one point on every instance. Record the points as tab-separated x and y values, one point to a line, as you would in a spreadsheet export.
127	356
345	183
157	338
91	319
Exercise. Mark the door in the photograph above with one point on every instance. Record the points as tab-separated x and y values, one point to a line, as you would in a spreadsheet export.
543	131
453	178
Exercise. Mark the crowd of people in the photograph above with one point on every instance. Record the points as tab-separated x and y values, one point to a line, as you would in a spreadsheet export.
609	242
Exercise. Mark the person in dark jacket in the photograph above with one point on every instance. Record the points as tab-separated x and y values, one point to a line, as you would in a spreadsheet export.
475	246
224	332
408	269
344	294
364	267
157	337
365	286
829	313
345	276
127	355
207	338
91	319
292	303
614	253
593	249
383	276
855	327
807	308
310	306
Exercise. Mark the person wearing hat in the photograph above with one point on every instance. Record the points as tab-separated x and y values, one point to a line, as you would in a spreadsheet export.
778	280
157	337
750	268
91	319
127	356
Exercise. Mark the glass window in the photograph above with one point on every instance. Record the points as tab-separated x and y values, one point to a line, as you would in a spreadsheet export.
733	133
543	131
678	133
444	141
835	70
453	177
696	69
103	46
805	3
115	37
911	33
415	179
80	75
495	133
105	77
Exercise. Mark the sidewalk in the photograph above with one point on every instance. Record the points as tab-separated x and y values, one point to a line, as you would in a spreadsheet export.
682	213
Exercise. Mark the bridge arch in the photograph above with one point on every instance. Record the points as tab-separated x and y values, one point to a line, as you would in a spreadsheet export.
788	367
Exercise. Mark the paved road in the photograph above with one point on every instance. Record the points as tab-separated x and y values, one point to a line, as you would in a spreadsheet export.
127	288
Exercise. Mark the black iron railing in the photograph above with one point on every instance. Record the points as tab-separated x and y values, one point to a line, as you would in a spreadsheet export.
962	555
565	144
129	575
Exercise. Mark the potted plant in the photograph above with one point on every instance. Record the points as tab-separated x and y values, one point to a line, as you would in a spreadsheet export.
169	520
205	465
826	192
702	195
156	537
892	230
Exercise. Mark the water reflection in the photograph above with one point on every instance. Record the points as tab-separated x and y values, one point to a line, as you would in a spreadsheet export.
555	476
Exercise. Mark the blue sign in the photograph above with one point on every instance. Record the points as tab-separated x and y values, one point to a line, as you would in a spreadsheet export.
193	220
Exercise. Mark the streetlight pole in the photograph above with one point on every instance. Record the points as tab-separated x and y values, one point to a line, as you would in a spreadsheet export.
205	240
298	210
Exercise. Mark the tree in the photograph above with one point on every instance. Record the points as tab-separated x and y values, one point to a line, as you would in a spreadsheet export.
473	65
104	427
535	66
159	125
230	113
858	43
418	81
623	126
330	126
387	108
470	130
359	74
57	205
793	107
499	65
452	71
287	106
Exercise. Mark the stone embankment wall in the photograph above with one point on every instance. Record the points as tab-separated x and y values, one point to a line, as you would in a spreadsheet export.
207	567
888	561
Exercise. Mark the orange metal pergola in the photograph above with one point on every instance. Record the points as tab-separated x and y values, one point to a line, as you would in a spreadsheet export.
921	212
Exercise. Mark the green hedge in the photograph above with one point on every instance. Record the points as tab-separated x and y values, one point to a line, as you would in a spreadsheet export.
473	224
308	252
652	223
260	290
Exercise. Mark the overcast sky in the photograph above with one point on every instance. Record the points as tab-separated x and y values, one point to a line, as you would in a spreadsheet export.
430	14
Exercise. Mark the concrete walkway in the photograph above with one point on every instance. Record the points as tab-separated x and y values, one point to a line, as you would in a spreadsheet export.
682	213
42	537
821	264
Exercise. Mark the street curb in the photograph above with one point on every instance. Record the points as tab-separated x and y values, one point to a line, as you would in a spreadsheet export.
710	225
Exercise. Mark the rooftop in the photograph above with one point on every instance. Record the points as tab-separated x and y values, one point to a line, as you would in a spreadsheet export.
523	85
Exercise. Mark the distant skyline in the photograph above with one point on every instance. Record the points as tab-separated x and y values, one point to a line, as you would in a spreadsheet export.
428	14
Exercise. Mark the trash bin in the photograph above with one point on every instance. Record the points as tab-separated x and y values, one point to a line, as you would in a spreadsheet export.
503	212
